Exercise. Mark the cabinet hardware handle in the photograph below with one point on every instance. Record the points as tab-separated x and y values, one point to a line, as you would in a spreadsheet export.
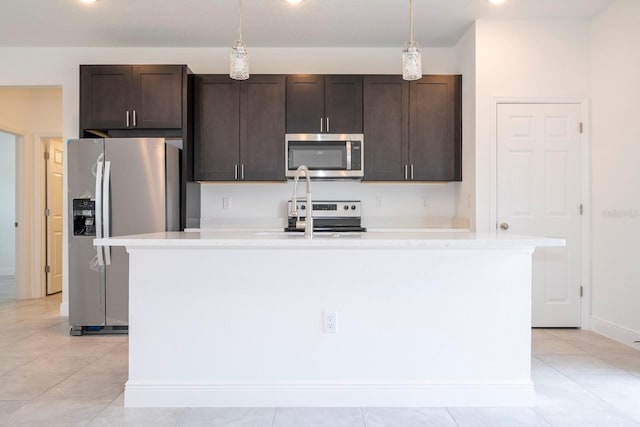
320	124
406	172
128	122
412	172
235	171
328	125
504	226
242	171
135	122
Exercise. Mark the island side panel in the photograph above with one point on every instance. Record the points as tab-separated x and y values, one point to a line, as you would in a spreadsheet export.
243	327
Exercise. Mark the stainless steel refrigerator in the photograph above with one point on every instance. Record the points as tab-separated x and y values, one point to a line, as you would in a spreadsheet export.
117	187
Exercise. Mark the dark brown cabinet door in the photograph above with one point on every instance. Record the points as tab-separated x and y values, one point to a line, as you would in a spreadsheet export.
324	104
262	128
105	96
305	104
435	136
114	97
343	104
157	96
216	127
386	127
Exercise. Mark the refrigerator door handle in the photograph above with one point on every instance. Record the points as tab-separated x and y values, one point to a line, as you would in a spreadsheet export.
106	188
99	210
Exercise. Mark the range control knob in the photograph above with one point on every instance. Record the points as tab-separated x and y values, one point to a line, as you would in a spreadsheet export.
303	207
346	207
353	207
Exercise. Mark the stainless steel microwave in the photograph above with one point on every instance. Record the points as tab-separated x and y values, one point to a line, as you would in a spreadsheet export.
328	156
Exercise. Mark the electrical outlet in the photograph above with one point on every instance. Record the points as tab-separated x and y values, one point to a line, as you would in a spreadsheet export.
226	203
330	322
426	202
378	202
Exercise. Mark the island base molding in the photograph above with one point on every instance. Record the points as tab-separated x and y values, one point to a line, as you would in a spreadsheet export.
244	327
328	395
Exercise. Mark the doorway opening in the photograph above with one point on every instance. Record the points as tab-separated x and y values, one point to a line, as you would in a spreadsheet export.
31	116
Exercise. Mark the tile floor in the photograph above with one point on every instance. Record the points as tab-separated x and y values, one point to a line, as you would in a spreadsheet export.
48	378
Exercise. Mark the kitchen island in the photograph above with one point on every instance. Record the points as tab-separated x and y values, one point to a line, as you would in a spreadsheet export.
241	319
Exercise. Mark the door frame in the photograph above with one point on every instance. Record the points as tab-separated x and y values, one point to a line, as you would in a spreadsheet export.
44	145
585	183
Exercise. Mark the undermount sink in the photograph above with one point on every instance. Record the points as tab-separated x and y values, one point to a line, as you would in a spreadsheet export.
348	234
270	233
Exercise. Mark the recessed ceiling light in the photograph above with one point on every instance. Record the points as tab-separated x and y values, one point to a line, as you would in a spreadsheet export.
294	1
496	1
88	1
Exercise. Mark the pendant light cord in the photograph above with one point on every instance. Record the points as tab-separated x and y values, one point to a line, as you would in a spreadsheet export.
410	21
239	19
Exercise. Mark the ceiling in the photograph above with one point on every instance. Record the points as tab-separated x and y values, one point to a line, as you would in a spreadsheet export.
266	23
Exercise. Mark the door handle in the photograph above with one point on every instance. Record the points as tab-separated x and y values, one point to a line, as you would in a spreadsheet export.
321	125
328	125
135	121
106	203
98	210
128	120
504	226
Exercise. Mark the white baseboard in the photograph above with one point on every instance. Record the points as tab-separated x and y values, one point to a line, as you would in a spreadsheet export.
615	332
7	271
139	394
64	309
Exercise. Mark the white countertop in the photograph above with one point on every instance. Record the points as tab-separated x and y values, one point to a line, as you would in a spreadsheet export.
396	239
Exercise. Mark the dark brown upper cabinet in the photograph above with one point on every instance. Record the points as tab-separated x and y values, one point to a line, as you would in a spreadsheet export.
324	104
115	97
413	130
239	128
435	129
386	127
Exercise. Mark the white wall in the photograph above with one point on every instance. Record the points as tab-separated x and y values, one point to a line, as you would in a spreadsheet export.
615	134
59	67
521	59
466	65
7	201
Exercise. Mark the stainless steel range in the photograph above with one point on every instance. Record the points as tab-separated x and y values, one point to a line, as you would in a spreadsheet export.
330	215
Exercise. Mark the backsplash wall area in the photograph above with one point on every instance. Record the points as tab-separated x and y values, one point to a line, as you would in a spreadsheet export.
392	205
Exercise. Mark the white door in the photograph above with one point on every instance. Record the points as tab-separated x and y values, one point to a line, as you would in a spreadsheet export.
539	194
54	217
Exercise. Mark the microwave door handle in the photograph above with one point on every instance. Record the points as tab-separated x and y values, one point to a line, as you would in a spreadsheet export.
98	214
348	149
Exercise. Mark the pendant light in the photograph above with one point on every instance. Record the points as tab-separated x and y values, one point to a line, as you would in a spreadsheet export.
411	56
239	58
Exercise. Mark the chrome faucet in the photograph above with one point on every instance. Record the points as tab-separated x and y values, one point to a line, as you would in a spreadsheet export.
307	224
